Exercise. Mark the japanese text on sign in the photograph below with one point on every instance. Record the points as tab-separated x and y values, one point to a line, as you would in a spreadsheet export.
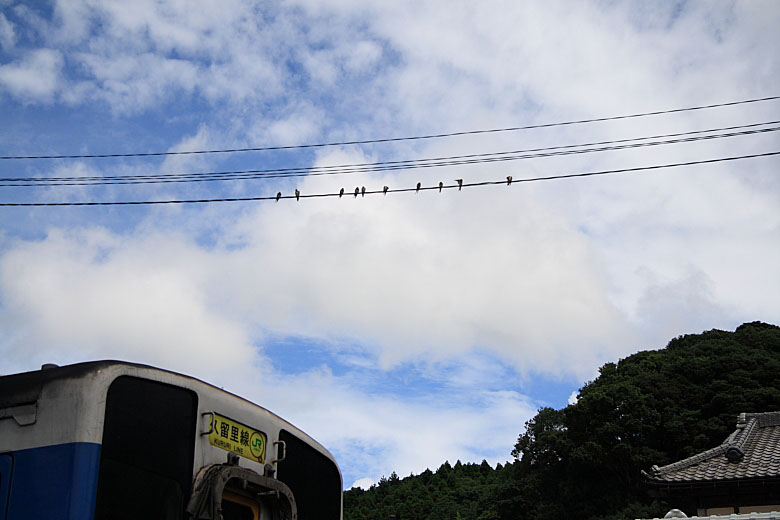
242	440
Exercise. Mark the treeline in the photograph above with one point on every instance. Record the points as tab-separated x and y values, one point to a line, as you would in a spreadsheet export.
460	491
584	461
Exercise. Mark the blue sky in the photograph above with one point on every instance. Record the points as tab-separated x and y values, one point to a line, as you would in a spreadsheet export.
405	330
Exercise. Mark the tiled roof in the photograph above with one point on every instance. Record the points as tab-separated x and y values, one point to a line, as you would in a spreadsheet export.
752	451
744	516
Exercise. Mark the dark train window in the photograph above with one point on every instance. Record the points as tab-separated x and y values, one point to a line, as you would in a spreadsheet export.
147	453
313	479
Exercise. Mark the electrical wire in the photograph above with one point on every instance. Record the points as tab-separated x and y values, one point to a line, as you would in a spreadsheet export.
308	169
383	166
397	139
419	188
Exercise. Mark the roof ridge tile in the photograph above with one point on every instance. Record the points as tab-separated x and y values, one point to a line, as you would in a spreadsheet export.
690	461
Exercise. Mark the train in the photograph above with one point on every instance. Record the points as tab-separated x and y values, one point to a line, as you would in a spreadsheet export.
112	440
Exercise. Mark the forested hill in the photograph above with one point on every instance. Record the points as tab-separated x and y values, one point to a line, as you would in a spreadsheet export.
584	461
452	492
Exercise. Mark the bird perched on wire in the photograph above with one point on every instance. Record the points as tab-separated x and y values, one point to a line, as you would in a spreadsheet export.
341	192
419	184
363	191
357	190
384	189
441	185
297	194
278	196
460	183
508	180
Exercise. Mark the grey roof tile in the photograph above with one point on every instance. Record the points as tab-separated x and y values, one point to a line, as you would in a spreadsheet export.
774	515
752	451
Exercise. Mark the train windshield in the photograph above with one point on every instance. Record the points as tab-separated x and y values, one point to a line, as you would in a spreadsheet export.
147	451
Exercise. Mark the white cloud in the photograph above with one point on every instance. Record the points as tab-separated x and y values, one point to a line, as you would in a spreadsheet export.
301	122
239	50
136	82
135	57
363	483
364	56
201	140
409	434
36	77
419	276
7	33
413	279
99	296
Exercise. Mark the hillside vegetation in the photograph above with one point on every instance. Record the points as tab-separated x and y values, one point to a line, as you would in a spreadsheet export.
584	461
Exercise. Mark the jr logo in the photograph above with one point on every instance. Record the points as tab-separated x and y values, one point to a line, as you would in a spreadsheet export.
257	445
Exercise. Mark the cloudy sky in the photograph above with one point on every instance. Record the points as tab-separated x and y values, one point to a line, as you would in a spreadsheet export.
399	330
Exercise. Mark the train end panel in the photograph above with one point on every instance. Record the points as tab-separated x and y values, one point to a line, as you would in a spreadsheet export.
115	440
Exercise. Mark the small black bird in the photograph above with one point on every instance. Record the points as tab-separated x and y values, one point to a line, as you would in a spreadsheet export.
384	190
357	190
363	191
460	184
441	185
508	180
341	192
297	194
278	196
418	186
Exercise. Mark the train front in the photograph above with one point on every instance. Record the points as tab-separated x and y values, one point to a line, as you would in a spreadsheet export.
112	441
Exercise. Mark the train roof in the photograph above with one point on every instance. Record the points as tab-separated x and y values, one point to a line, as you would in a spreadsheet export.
14	386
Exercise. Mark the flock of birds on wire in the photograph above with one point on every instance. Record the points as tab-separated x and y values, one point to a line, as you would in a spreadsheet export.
362	190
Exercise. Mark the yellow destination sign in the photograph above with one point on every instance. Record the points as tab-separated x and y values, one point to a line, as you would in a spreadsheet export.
236	437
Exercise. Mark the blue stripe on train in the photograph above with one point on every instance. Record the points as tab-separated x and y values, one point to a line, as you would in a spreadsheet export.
5	480
54	482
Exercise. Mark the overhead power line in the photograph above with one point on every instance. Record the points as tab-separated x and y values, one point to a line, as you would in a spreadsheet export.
396	139
457	160
441	186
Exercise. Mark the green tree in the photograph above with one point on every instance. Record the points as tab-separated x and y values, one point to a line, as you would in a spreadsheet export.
654	407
